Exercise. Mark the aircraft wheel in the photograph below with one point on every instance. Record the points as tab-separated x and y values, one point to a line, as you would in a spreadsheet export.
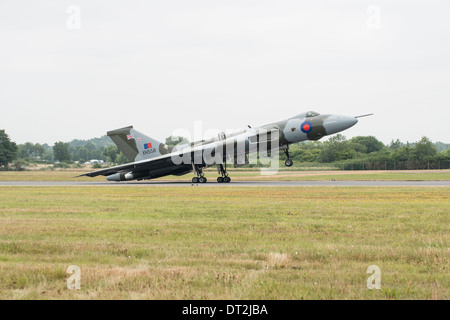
194	180
202	180
220	179
226	179
288	162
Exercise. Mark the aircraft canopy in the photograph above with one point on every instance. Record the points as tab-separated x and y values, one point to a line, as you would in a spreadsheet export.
309	114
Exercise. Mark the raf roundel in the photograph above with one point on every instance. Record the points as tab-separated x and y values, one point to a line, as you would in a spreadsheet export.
306	127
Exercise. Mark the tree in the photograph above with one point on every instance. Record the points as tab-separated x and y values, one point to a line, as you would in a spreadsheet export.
307	151
172	141
25	150
401	154
38	151
82	154
110	153
370	143
440	146
121	159
61	152
336	148
96	154
397	144
425	149
29	150
93	151
48	155
8	149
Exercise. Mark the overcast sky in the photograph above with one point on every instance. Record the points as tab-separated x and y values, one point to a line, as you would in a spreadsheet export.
76	69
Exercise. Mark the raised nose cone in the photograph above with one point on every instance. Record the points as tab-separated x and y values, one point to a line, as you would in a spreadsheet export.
338	123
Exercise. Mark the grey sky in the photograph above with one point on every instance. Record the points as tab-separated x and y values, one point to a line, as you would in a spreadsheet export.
162	65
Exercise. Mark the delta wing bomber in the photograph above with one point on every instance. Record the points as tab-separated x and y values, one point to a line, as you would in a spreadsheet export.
150	159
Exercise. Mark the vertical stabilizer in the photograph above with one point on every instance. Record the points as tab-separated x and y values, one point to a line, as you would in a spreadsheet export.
135	145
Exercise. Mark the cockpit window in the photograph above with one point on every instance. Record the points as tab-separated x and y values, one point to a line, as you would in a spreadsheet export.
311	114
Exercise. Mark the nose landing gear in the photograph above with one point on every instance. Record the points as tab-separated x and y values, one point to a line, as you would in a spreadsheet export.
289	161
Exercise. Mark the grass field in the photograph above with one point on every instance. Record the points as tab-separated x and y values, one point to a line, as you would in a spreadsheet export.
232	243
244	175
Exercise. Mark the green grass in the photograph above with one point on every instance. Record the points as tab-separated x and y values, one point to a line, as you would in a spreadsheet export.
241	175
232	243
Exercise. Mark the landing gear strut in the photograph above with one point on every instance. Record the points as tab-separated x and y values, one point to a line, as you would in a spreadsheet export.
289	161
200	178
223	171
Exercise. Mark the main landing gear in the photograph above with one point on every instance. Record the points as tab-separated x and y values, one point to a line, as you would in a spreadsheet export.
223	171
289	161
200	178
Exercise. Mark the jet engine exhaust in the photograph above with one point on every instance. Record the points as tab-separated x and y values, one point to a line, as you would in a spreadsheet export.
120	176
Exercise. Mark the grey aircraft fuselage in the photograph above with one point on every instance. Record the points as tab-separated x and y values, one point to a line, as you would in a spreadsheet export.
151	159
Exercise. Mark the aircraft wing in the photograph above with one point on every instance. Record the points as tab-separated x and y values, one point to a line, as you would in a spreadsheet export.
145	169
108	171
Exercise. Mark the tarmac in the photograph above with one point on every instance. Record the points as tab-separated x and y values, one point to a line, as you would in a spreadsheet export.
329	183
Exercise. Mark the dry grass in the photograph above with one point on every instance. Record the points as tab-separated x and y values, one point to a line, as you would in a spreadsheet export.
278	260
232	243
242	175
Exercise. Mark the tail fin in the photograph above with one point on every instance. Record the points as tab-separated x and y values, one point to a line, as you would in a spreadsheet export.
135	145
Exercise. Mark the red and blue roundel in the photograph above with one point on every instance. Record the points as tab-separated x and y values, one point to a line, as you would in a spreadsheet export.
306	127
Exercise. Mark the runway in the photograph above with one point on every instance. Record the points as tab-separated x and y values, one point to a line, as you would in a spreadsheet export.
328	183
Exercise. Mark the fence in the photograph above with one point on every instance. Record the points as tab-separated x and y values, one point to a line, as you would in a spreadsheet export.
398	165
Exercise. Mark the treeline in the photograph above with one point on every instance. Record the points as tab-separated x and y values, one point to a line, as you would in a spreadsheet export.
68	152
362	151
368	149
78	151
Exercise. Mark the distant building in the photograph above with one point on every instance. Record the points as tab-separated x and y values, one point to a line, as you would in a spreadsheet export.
92	161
